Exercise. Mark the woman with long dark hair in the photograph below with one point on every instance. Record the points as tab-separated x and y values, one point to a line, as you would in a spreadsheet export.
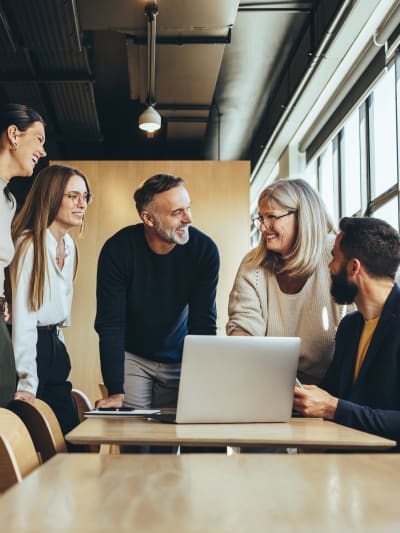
42	274
22	139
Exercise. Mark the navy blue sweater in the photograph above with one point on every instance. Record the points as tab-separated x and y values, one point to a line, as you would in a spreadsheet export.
147	302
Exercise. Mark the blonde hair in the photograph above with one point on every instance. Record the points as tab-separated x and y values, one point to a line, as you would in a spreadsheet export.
39	211
313	225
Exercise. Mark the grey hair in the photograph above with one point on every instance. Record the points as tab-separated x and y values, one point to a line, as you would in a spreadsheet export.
313	225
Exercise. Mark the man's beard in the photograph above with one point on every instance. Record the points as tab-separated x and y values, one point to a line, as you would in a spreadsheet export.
343	292
169	234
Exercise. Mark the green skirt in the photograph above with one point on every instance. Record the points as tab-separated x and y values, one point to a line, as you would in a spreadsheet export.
8	374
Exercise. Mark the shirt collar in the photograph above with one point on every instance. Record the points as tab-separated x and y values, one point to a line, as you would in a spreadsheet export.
53	242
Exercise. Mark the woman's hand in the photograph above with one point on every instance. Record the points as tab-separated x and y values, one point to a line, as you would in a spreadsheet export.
114	401
239	333
25	396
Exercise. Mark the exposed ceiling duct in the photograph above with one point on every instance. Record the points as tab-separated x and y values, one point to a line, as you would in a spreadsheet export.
225	72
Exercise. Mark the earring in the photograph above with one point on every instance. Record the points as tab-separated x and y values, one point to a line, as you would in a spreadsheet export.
13	146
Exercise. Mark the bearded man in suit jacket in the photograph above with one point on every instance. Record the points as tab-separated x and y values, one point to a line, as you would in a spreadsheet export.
362	386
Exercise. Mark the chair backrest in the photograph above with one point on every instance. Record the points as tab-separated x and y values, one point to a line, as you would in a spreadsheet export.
43	426
82	403
17	453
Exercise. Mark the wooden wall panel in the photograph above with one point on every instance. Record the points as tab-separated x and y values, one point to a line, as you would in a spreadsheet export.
220	207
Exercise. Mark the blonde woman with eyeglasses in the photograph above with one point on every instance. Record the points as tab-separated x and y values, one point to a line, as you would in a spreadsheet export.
282	287
42	274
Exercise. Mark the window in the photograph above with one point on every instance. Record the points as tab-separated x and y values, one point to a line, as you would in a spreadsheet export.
311	175
350	158
326	179
383	148
358	170
389	212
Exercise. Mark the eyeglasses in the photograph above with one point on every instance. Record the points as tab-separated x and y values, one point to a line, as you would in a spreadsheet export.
269	220
77	197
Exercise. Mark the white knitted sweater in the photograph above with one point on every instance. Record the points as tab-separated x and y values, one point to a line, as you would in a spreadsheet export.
259	307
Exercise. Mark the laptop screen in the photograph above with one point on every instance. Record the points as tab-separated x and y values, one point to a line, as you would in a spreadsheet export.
237	379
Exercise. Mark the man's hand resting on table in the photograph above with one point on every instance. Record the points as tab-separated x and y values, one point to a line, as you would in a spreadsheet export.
115	400
314	402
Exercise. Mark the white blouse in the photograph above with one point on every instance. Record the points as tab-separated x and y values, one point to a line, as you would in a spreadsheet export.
56	307
7	210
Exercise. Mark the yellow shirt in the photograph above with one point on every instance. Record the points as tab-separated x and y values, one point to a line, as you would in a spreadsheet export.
363	345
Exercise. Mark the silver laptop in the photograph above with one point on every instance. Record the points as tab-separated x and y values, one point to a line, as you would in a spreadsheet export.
237	379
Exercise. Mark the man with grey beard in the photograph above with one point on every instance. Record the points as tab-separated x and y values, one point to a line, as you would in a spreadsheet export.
156	282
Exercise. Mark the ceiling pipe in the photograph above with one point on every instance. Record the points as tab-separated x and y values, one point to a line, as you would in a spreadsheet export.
328	36
151	11
150	119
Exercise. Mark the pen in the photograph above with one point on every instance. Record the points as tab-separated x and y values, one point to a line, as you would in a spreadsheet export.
298	384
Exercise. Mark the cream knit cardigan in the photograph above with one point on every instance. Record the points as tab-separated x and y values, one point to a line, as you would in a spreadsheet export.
259	307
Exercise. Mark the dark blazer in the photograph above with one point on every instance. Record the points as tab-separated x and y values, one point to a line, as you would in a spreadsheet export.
372	402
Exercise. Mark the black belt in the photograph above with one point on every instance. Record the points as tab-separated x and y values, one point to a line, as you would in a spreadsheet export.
50	327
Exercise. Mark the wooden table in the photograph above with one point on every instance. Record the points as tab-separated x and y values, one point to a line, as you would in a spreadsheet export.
305	433
206	493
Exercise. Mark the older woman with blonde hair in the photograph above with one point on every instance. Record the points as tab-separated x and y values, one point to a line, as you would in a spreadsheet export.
282	287
42	274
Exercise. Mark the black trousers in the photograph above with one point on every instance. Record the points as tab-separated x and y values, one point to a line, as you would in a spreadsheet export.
8	374
53	366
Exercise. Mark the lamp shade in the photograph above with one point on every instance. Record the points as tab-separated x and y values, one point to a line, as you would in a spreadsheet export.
150	120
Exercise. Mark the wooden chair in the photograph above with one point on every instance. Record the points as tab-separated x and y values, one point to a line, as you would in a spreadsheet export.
43	426
82	402
17	453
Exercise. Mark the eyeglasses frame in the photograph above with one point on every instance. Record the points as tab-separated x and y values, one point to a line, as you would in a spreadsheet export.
257	221
88	199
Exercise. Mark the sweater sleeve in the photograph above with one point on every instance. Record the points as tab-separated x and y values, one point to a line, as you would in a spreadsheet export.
24	322
110	320
247	306
202	307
